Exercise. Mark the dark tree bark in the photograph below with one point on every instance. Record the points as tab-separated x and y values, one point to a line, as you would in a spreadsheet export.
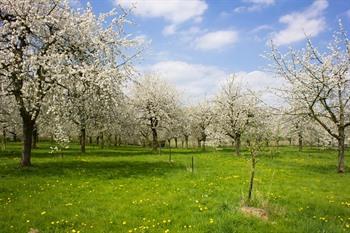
154	139
14	136
341	150
82	140
119	141
175	139
4	137
115	140
199	143
238	143
102	141
300	141
153	124
169	141
35	136
28	126
186	141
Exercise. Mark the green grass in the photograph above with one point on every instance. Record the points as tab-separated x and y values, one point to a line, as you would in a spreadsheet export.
99	191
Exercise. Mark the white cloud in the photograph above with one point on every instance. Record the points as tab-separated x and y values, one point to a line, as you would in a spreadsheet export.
262	83
261	28
309	22
197	81
169	30
348	13
143	39
189	35
254	5
216	40
175	11
75	3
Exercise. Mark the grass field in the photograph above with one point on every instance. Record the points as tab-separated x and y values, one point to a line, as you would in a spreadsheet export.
129	189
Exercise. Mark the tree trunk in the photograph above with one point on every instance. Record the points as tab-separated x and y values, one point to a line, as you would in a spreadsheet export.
115	140
119	141
199	143
97	140
4	137
155	139
169	141
14	136
248	142
90	140
28	126
175	142
238	143
341	151
186	141
102	141
300	141
35	136
82	140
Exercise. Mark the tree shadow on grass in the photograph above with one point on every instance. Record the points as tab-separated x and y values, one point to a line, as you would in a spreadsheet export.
96	169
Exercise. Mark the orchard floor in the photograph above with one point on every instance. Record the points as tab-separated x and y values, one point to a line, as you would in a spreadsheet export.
129	189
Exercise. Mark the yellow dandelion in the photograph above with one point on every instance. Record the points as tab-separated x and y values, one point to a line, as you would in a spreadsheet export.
44	212
124	222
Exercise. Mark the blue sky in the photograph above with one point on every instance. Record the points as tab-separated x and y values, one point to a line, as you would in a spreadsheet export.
196	44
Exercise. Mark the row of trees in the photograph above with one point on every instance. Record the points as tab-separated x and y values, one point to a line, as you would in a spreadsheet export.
64	71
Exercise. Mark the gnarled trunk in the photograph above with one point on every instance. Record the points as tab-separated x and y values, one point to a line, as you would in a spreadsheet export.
28	126
238	143
175	139
341	150
82	140
300	141
4	137
35	136
102	141
186	141
154	139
